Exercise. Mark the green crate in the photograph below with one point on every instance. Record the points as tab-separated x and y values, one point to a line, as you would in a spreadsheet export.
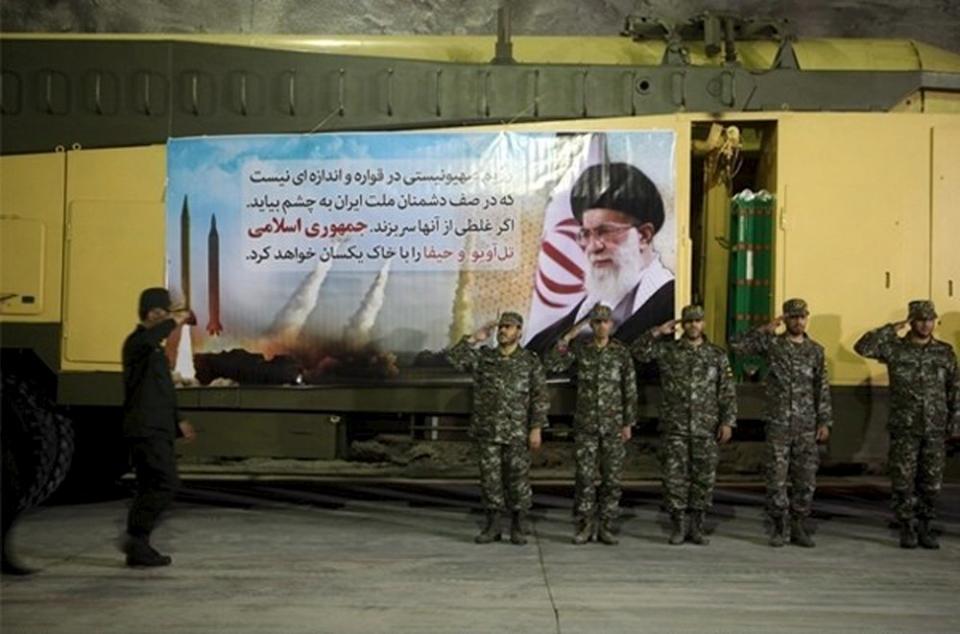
751	271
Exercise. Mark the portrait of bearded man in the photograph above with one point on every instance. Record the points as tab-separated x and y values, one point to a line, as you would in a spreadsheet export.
620	211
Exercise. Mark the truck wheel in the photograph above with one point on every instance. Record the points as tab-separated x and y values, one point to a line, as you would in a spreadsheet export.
100	456
38	441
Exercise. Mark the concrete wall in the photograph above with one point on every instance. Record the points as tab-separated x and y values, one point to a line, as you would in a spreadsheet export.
933	21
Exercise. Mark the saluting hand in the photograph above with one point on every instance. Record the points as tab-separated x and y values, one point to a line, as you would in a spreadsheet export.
181	315
666	328
483	333
773	325
571	334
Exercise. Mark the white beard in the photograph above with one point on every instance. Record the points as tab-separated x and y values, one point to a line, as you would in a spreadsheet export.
610	285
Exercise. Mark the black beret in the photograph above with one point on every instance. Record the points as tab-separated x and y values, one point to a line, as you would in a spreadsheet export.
154	298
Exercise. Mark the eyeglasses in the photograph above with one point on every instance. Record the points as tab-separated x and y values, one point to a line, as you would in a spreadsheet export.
602	233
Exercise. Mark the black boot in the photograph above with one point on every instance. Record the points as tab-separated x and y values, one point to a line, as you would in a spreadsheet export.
798	533
697	534
605	533
584	531
908	534
517	531
140	554
926	536
491	529
13	567
776	536
678	531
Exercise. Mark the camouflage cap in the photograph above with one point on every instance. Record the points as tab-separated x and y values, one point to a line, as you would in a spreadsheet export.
600	312
795	307
510	318
921	309
693	312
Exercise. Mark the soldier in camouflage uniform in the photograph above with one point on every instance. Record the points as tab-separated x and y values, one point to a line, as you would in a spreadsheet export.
606	411
924	413
509	409
699	409
799	415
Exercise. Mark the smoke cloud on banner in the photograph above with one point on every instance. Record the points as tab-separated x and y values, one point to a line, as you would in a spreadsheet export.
319	257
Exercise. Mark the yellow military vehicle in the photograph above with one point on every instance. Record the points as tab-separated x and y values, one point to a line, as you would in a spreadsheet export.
858	142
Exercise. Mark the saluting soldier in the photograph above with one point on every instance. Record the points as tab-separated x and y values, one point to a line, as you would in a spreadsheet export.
698	411
606	412
510	406
924	413
151	423
799	416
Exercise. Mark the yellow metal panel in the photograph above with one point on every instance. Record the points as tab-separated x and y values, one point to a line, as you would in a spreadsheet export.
715	267
941	102
854	225
115	248
767	166
813	54
678	123
937	59
832	54
911	103
117	174
31	190
479	49
945	230
684	272
22	250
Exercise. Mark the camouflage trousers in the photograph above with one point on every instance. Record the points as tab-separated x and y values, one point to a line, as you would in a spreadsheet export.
792	459
916	474
689	466
604	454
504	476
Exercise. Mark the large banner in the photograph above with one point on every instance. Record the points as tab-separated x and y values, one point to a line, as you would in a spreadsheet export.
315	258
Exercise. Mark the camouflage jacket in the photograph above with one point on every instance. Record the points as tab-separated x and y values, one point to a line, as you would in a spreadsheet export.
924	382
509	394
798	388
697	384
606	384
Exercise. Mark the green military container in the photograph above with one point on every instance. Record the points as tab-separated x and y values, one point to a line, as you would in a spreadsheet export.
751	270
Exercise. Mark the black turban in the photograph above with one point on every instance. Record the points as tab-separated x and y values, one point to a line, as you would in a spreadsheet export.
621	187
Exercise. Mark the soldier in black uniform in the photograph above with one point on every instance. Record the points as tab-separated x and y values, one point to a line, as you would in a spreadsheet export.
151	423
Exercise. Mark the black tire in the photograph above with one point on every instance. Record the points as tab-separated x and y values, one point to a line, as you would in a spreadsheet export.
100	457
38	441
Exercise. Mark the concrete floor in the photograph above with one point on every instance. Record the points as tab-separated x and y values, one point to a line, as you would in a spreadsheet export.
361	556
